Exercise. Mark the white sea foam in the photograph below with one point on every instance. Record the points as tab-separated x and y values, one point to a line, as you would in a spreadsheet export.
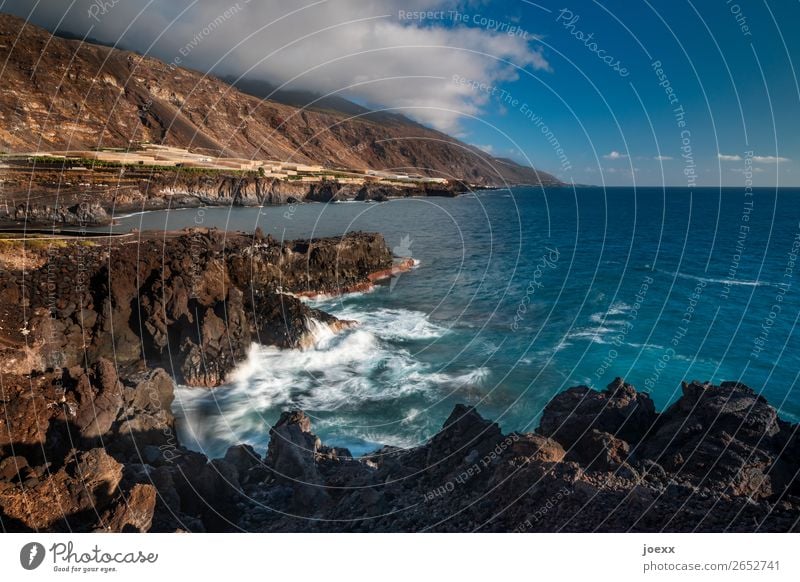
737	282
597	335
645	346
602	318
343	371
606	324
321	333
618	308
562	345
132	214
394	324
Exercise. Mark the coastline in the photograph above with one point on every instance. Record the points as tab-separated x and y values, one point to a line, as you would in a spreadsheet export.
372	267
92	196
112	423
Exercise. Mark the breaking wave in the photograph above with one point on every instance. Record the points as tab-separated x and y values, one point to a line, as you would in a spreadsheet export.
340	374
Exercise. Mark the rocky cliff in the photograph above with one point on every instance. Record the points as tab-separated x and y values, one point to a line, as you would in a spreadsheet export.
719	459
88	451
64	94
193	302
51	196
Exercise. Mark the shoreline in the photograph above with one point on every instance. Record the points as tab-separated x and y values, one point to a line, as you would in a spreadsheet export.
93	214
86	197
105	414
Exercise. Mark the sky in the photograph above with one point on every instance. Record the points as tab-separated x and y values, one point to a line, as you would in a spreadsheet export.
644	92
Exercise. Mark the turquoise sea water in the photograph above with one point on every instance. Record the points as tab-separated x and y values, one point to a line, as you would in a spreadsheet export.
518	295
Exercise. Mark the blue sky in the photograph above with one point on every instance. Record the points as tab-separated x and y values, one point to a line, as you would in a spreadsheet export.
613	92
737	91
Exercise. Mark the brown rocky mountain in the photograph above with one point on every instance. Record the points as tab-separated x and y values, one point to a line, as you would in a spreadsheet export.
60	93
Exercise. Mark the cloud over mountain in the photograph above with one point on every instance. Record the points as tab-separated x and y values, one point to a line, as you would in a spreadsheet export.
381	53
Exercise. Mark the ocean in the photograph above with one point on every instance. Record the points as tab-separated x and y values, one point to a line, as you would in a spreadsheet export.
517	295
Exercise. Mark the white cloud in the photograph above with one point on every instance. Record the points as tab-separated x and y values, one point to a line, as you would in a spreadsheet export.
769	159
361	48
755	159
615	155
662	158
488	148
622	171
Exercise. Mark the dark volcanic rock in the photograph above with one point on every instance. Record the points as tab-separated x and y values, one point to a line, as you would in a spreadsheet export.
59	410
470	476
78	374
467	477
99	398
31	213
325	191
465	433
192	302
602	450
133	512
242	458
534	448
147	419
724	437
87	482
292	455
618	410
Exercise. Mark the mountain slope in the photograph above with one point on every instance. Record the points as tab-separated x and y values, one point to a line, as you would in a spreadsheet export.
59	93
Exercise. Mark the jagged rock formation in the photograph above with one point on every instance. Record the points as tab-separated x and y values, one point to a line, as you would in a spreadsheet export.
738	470
719	459
191	302
52	196
84	441
59	437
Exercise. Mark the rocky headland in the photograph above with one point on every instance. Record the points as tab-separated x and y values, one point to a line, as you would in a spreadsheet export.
78	197
192	302
94	334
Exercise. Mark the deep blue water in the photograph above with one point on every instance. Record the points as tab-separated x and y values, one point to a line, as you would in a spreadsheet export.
517	296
